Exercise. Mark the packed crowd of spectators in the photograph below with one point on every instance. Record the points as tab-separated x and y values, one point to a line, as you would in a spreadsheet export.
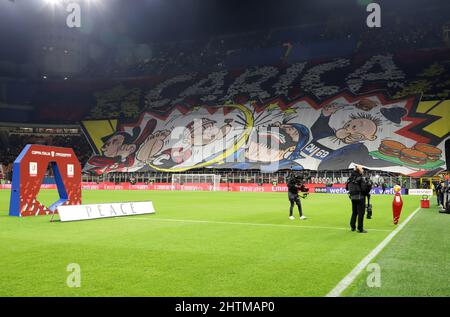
16	143
422	30
402	34
5	172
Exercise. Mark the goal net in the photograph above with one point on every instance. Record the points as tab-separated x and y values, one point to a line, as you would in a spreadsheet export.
195	182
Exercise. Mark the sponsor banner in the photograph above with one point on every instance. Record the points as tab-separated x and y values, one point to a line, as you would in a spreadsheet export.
420	192
95	211
231	187
43	186
374	191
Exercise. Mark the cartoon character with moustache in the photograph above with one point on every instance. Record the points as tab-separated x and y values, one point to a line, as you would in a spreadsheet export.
271	148
196	144
325	150
118	151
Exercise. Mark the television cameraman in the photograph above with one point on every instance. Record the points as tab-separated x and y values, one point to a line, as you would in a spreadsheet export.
295	183
445	198
357	188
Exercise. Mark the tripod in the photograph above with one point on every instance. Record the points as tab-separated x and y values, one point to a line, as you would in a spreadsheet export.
369	208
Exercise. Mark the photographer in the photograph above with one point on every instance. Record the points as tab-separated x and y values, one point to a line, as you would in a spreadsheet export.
295	184
357	188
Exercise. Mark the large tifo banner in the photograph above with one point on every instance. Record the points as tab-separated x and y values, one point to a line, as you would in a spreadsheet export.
398	135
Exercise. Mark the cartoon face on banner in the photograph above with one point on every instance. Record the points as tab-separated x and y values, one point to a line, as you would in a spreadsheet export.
179	142
195	139
372	130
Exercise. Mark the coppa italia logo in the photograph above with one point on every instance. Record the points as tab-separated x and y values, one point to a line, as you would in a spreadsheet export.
52	154
70	170
33	169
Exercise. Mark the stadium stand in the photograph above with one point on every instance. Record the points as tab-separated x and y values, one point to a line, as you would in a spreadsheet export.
15	141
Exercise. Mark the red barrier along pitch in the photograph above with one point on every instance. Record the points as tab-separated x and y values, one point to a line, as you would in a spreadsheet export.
29	171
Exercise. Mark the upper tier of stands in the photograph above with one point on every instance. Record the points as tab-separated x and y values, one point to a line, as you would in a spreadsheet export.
336	38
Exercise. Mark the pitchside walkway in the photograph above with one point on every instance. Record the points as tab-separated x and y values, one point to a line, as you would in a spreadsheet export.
415	262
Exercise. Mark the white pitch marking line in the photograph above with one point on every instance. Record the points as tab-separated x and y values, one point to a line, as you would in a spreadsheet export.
347	280
248	224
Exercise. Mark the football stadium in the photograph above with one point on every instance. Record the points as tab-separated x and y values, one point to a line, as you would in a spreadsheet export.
224	149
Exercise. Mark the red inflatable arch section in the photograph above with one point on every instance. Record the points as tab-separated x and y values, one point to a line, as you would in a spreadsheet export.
29	171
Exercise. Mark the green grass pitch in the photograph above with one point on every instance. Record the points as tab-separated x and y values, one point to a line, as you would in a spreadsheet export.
197	244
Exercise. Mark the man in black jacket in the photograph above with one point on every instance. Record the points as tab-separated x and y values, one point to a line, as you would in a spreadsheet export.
294	186
356	186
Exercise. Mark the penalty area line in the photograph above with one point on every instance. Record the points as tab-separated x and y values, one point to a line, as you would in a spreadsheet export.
347	280
248	224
